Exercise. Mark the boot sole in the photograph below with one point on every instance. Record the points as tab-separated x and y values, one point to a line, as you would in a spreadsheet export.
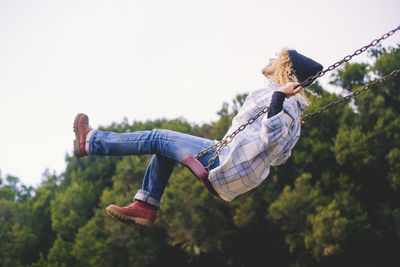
142	223
77	149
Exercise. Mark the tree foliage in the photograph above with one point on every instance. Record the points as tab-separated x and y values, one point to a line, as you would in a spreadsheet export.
335	202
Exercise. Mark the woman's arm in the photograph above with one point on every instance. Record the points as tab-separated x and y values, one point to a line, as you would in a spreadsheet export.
276	104
279	96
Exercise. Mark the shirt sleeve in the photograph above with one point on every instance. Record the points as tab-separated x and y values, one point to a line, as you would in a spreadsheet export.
275	129
275	134
276	104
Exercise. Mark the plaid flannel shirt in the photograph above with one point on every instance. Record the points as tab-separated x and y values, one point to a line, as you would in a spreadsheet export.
246	161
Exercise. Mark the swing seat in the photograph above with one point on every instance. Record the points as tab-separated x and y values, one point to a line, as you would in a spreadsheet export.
200	172
196	167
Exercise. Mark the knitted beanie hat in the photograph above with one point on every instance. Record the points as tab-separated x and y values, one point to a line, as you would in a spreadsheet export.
303	67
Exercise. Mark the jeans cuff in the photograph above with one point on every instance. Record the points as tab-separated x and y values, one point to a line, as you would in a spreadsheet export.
145	197
88	140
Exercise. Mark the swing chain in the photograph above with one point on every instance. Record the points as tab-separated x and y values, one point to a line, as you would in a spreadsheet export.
347	58
347	97
220	144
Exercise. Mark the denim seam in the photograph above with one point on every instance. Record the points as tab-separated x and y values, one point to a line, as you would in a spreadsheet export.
157	167
140	140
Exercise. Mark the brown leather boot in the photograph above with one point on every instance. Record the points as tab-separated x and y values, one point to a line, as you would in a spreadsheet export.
81	129
138	212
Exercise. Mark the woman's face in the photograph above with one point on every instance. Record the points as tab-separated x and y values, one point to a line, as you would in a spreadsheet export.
269	69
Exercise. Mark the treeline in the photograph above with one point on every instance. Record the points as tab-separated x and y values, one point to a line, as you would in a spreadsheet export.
336	202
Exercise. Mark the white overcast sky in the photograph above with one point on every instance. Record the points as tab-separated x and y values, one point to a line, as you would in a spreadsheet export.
152	59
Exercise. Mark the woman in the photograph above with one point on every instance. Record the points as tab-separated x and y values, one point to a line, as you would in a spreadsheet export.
242	165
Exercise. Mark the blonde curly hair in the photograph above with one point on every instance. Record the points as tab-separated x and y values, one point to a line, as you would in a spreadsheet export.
284	72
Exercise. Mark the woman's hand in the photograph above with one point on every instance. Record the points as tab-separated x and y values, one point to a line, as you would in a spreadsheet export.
289	89
301	121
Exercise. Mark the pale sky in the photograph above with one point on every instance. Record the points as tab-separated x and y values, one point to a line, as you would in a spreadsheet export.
152	59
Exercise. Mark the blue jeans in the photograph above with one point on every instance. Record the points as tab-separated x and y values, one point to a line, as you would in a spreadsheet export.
167	147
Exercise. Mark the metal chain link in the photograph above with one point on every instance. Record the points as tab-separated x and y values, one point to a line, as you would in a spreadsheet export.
347	58
220	144
347	97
